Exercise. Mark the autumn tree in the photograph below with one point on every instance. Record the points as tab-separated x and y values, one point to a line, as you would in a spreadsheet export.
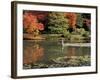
57	23
72	17
86	21
31	24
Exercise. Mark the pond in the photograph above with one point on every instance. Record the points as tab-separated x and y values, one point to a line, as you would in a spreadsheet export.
52	54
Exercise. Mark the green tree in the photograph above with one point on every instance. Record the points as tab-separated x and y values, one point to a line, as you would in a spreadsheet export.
57	23
79	20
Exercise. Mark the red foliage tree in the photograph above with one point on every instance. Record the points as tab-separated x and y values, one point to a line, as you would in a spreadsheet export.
87	22
40	26
30	23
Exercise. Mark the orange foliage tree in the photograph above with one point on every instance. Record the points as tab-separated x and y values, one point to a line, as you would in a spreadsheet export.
72	17
31	24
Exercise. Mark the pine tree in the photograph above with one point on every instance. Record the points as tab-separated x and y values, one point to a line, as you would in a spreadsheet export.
79	20
57	23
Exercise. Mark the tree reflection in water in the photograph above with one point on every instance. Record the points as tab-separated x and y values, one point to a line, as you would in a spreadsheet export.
49	54
71	52
33	54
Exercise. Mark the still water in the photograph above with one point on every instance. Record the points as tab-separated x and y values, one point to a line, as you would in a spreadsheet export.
49	54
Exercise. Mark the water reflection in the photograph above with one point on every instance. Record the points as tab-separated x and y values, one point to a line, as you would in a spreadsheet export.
45	54
71	52
33	54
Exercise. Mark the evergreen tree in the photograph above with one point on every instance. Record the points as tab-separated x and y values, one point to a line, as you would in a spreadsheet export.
57	23
79	20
